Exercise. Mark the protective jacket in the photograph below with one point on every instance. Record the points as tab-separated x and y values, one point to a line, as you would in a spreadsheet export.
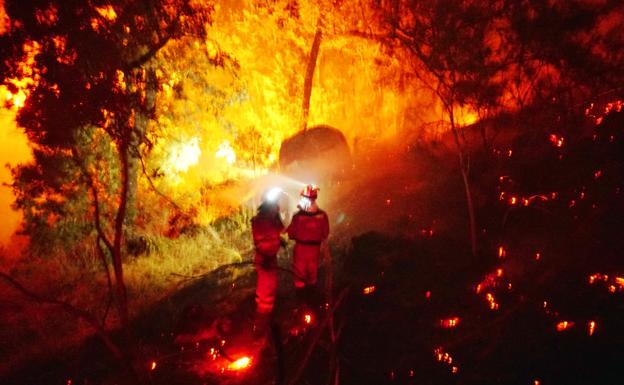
308	230
266	232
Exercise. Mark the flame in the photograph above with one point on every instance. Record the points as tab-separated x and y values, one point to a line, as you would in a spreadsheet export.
240	364
226	152
307	318
591	327
255	96
183	156
153	365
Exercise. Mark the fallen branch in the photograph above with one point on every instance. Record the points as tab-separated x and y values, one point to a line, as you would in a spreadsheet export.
70	309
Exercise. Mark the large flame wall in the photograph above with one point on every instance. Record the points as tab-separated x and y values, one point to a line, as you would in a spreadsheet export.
228	122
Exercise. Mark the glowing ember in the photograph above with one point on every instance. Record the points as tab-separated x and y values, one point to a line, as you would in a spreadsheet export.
598	277
449	322
307	318
445	357
153	365
556	140
240	364
491	300
368	290
564	325
490	280
591	327
501	252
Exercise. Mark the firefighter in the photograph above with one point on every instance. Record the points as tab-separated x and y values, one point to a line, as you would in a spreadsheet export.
309	228
266	228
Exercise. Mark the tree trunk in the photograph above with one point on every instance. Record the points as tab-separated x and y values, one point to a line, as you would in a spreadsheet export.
141	122
464	169
307	85
471	211
120	286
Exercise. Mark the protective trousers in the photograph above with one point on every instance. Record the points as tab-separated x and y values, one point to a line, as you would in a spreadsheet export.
306	260
266	288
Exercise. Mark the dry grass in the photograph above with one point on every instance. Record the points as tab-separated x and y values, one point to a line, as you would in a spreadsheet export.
77	277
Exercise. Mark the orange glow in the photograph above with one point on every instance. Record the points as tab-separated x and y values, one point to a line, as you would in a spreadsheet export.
513	200
14	149
153	365
538	256
564	325
307	318
369	290
501	252
240	364
591	327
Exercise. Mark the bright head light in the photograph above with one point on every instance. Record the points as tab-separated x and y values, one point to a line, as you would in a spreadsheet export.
273	194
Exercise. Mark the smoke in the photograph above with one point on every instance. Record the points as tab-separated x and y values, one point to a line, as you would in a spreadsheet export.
13	150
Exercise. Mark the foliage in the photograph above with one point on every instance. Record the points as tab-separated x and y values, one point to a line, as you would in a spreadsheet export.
52	194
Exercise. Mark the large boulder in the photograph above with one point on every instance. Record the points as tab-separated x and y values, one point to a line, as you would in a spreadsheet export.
320	153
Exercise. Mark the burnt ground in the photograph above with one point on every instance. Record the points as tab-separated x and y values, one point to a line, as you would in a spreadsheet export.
541	303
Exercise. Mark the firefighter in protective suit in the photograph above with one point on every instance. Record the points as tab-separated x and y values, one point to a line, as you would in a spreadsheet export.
309	228
266	228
